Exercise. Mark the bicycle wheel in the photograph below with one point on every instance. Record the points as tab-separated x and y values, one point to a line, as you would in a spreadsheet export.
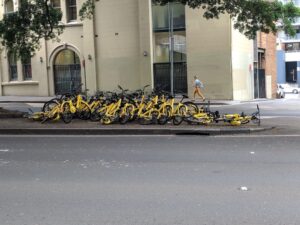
106	120
144	121
192	108
256	116
83	111
179	115
255	119
126	115
165	116
48	106
245	120
147	120
95	115
66	115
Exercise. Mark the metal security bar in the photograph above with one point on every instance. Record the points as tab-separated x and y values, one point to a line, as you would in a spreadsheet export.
27	74
13	72
67	78
162	77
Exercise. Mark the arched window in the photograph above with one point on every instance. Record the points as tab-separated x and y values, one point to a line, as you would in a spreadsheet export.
9	6
67	72
66	57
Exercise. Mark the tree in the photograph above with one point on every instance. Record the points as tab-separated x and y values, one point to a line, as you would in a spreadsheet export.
249	16
21	31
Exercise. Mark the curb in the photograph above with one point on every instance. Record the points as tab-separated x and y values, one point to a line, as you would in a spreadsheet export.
5	114
130	131
23	102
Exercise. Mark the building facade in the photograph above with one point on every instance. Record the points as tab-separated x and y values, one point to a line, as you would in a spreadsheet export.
288	54
134	43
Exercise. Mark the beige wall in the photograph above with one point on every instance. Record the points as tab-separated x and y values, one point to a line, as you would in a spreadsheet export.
70	39
123	35
209	54
242	66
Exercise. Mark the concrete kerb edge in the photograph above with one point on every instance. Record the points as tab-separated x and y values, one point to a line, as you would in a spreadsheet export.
130	131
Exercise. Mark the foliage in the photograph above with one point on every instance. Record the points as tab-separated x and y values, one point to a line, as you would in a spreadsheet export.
87	10
22	30
249	16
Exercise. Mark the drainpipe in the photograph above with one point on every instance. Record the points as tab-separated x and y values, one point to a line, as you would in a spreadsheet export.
1	72
84	72
47	67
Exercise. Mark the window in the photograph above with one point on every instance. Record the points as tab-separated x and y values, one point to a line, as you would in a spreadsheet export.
292	47
71	10
9	6
12	66
66	57
169	24
26	69
56	4
162	15
162	47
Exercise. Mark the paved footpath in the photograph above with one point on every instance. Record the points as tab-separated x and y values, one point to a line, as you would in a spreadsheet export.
12	122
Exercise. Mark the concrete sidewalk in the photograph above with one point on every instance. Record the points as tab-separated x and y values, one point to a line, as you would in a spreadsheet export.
12	122
24	99
37	99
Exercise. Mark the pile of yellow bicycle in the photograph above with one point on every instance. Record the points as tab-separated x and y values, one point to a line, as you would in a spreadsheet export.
123	107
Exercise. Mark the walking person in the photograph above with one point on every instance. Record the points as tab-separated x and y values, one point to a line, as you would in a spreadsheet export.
197	88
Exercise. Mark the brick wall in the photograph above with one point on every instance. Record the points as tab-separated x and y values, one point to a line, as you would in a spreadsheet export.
268	42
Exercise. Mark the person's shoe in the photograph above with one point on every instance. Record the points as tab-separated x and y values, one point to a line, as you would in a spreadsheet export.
192	100
204	99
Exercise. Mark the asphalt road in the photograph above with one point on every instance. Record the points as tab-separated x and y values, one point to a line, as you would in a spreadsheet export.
150	180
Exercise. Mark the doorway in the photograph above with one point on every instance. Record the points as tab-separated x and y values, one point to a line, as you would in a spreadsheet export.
67	72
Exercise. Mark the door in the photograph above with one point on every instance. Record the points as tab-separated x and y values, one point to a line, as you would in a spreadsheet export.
291	72
67	72
259	83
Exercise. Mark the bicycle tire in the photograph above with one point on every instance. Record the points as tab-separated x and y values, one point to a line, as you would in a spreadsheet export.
83	112
178	118
143	121
95	115
163	119
245	121
192	108
124	118
106	120
48	106
66	115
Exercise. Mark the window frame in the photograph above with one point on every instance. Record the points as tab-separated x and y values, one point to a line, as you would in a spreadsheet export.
12	66
27	70
5	8
70	11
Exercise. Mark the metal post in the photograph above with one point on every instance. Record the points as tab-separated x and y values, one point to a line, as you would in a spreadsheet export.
257	77
171	47
84	70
